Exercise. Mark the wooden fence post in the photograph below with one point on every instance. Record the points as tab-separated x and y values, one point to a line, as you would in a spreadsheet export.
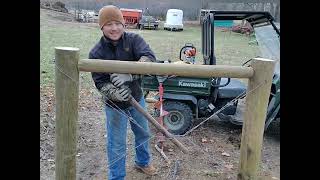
258	93
67	96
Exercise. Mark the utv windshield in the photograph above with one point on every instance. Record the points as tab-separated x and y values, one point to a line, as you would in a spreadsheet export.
269	43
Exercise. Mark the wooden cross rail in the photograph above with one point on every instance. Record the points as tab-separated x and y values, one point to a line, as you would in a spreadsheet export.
113	66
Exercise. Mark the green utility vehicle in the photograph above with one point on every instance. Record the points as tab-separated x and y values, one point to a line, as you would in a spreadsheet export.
189	98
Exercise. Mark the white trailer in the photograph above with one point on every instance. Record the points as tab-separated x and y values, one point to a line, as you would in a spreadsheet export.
174	20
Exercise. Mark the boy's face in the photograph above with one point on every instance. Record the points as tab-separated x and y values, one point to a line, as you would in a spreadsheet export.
113	30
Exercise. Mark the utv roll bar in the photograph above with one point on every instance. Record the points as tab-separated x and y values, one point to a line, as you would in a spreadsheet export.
255	18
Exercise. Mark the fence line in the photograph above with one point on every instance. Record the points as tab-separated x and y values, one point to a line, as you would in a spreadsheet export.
67	60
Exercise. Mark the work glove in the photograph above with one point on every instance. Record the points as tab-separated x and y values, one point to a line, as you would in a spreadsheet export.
121	94
111	92
119	79
144	59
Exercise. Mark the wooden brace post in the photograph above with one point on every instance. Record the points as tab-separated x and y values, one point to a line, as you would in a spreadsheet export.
257	98
67	96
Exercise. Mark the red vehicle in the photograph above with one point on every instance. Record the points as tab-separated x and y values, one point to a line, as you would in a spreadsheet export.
131	16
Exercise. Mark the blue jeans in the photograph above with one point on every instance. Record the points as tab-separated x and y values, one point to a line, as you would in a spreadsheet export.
116	124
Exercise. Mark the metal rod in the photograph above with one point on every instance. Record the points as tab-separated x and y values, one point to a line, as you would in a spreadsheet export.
135	104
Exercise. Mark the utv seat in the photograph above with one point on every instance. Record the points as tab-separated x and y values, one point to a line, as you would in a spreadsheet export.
232	90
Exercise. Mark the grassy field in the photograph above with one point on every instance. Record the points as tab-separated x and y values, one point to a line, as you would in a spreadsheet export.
230	48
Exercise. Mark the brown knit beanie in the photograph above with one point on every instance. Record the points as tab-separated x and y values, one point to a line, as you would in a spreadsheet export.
110	13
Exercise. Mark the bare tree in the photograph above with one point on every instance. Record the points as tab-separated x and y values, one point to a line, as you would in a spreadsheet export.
204	4
191	8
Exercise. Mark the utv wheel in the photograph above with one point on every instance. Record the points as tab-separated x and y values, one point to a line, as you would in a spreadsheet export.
179	119
274	128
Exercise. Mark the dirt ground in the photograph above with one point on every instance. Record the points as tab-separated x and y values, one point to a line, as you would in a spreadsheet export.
207	144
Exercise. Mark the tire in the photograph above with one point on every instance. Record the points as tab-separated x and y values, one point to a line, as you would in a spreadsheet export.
180	117
274	128
224	118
